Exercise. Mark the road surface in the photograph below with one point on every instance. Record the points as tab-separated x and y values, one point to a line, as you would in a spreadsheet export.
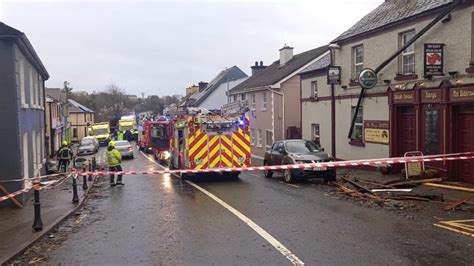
251	221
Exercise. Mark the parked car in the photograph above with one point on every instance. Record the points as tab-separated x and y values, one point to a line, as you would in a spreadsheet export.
299	151
125	148
88	145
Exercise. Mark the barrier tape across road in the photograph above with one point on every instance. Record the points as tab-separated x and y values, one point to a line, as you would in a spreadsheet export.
335	164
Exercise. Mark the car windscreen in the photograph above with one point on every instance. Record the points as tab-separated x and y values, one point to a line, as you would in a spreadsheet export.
122	143
125	128
101	131
86	142
301	147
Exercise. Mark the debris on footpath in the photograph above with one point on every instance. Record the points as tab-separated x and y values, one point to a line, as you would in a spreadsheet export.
392	194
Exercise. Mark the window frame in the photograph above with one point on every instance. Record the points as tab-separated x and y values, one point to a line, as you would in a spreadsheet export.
264	101
314	89
360	124
252	136
355	64
313	133
409	52
259	138
254	101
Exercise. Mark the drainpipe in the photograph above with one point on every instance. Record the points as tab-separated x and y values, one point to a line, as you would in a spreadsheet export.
443	14
333	104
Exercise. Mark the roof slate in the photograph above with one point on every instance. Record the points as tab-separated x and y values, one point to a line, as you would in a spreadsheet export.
274	72
56	94
390	11
75	107
321	63
230	74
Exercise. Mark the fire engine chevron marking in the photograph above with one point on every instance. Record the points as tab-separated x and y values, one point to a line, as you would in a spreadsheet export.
197	143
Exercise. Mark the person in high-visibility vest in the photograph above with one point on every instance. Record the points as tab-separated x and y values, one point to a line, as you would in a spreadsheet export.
64	156
114	159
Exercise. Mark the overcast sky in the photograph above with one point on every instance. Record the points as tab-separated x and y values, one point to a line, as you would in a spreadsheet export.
162	47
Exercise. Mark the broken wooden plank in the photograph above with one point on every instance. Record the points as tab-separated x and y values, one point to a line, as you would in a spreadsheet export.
416	181
465	189
359	186
376	184
457	203
391	190
17	203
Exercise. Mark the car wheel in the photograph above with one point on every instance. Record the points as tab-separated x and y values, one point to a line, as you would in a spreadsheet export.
267	173
288	176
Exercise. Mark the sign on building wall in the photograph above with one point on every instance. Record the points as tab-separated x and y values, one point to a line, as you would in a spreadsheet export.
367	78
434	59
334	75
376	131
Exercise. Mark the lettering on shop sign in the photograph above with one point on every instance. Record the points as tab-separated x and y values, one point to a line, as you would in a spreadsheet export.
404	96
462	94
376	131
430	96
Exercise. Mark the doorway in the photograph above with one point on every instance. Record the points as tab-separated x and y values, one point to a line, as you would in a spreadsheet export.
463	138
406	133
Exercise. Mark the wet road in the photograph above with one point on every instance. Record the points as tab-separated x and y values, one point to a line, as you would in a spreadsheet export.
162	220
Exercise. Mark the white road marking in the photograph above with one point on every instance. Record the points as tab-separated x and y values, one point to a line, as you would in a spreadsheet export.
264	234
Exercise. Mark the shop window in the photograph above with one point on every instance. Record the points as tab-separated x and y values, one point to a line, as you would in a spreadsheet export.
268	138
74	132
314	89
408	55
358	125
431	131
315	134
358	61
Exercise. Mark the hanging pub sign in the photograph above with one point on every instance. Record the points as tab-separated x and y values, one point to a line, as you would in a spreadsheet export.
334	75
367	78
434	59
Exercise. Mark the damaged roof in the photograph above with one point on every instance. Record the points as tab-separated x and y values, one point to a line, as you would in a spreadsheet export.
391	12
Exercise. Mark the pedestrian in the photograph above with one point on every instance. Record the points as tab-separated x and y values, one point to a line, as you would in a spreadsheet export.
114	159
127	135
64	156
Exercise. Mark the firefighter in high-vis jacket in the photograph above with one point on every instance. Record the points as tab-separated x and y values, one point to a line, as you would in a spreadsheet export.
114	159
64	156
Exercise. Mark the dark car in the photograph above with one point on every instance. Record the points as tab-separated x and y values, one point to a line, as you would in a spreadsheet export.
297	151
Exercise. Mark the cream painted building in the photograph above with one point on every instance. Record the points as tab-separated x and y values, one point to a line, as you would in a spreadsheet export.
80	118
408	110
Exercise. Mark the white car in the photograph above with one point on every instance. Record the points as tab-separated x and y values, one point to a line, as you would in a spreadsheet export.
125	148
88	145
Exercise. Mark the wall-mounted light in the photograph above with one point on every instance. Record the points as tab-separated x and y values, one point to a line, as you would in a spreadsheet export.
453	74
387	81
344	87
459	82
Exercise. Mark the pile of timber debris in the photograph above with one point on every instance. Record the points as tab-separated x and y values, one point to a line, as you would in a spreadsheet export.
399	190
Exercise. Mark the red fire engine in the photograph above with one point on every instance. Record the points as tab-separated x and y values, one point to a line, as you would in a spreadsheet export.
153	137
203	141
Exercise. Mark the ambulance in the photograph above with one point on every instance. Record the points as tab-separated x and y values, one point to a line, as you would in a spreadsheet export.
207	140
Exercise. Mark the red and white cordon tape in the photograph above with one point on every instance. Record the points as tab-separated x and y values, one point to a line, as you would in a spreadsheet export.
14	194
34	178
335	164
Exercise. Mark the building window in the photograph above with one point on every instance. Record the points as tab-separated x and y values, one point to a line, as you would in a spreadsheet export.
234	98
74	132
26	161
243	97
358	125
408	55
40	90
264	101
252	136
254	101
259	138
358	60
268	138
315	133
314	89
431	132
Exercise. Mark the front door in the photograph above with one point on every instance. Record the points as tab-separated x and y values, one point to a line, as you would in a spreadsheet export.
406	137
463	138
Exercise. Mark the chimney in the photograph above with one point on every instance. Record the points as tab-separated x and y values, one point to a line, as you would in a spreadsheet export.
257	68
202	85
286	53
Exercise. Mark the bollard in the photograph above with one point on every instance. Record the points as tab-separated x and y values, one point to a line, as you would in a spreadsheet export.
90	169
84	179
37	224
75	197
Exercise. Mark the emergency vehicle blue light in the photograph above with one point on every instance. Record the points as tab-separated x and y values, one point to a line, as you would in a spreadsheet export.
241	122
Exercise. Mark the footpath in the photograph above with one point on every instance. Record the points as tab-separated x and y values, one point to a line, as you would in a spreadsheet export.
16	232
